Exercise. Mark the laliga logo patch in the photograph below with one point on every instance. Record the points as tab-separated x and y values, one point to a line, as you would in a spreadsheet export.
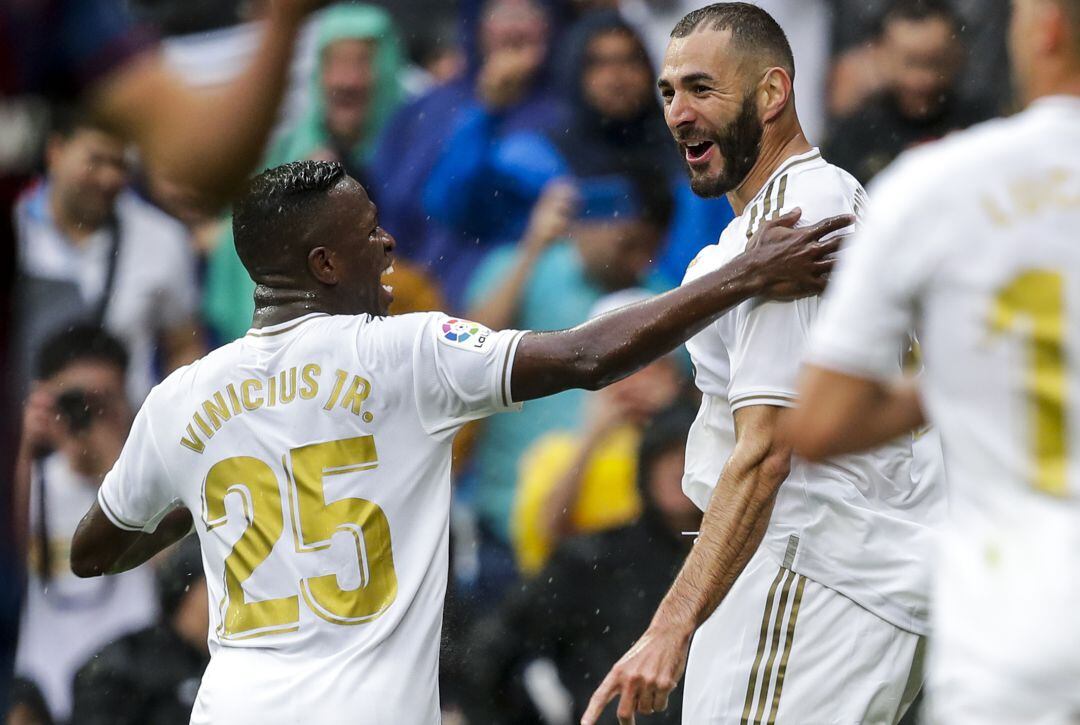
464	334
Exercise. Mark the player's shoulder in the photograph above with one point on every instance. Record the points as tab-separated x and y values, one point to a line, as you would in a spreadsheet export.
943	167
819	188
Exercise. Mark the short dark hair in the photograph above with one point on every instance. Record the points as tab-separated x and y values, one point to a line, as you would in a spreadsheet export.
752	28
920	10
278	201
80	343
67	119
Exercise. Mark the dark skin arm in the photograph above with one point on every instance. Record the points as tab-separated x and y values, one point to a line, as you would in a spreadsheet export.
100	547
780	263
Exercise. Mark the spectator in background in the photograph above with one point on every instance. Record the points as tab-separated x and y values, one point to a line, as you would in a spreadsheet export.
74	426
857	71
550	282
153	675
568	613
583	481
920	56
355	88
28	705
509	86
91	250
485	184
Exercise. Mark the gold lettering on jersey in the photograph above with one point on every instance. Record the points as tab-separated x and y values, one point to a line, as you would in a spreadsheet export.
358	393
1056	189
202	424
287	385
192	440
342	376
234	399
250	401
284	387
310	376
216	410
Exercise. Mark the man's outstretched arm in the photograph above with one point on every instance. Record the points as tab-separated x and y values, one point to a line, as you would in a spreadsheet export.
842	413
208	140
780	263
731	531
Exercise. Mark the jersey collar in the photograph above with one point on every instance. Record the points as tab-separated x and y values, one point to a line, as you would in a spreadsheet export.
283	327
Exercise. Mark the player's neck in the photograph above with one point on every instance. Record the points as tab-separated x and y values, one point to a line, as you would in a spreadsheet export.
275	305
774	152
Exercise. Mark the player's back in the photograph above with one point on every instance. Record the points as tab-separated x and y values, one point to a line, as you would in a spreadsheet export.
1000	311
315	458
991	265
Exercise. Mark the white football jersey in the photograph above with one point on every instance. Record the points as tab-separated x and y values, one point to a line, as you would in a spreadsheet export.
314	456
976	241
857	524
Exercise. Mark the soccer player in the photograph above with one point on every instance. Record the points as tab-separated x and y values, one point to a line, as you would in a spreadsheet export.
313	454
806	591
974	241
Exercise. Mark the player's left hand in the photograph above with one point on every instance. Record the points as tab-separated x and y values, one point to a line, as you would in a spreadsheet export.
644	677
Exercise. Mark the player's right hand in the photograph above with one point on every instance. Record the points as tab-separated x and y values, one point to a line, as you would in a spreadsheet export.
795	262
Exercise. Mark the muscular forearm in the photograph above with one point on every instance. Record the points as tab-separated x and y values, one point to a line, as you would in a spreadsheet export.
207	140
172	528
731	531
612	346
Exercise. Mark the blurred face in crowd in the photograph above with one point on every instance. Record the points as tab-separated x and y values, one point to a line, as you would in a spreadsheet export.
616	253
192	616
95	449
665	489
709	104
514	26
616	80
87	171
649	390
348	81
921	60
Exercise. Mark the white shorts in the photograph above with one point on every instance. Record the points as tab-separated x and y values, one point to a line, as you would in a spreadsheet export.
1006	646
782	648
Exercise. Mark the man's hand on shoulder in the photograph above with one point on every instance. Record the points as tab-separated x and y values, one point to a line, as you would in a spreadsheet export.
793	263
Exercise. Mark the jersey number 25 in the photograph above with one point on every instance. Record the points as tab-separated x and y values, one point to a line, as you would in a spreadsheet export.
314	523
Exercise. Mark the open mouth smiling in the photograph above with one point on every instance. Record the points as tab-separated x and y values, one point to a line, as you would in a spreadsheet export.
698	152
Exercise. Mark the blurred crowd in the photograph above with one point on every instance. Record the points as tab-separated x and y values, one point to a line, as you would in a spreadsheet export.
517	151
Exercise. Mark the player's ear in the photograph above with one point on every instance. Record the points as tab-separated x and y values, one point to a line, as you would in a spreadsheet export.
323	265
774	94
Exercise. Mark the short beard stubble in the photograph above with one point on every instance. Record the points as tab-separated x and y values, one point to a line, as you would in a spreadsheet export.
739	145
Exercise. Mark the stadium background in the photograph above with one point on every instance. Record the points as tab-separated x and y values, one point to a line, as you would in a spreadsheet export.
523	191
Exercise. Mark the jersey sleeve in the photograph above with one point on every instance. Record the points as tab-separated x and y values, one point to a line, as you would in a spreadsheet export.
137	492
871	304
462	372
770	340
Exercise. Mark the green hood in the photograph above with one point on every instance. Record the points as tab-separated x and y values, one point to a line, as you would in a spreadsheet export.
340	22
